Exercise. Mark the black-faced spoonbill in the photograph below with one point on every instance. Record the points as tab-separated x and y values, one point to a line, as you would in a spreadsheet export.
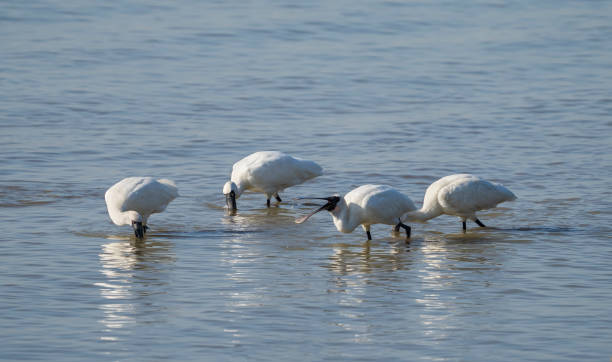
132	200
268	172
366	205
460	195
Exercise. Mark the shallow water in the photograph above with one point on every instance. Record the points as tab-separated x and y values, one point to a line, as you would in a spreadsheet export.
396	93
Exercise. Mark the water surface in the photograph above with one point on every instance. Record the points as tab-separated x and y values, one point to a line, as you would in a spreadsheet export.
397	93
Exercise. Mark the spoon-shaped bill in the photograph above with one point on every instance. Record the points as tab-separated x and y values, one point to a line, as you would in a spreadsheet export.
301	219
330	205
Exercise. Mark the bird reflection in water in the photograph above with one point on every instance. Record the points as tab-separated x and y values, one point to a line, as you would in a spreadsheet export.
433	277
440	276
126	290
356	268
243	291
369	257
452	271
273	220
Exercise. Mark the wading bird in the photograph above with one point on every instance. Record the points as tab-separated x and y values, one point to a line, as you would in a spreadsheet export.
268	172
460	195
366	205
132	200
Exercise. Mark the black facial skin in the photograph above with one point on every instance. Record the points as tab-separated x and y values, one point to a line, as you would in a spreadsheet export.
230	200
331	204
332	201
139	229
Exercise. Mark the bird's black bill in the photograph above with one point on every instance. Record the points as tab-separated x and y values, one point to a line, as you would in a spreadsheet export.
300	220
139	229
329	206
230	200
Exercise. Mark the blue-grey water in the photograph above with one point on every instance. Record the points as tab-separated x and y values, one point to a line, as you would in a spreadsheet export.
384	92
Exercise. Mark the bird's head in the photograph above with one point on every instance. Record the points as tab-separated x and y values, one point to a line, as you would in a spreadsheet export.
332	203
230	190
138	225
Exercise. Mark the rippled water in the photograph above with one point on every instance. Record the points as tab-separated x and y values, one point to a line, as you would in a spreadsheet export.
396	93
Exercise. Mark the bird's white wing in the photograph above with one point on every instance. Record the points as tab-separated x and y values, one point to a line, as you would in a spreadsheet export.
386	205
466	196
430	200
150	196
278	173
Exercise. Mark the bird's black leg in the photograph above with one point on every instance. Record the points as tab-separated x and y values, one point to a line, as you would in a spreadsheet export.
369	235
406	227
479	223
268	202
464	226
278	198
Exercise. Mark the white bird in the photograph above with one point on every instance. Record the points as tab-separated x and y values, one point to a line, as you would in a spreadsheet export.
132	200
460	195
366	205
268	172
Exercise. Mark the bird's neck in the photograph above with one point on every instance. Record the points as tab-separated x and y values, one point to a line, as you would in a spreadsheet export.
423	214
345	219
240	187
126	217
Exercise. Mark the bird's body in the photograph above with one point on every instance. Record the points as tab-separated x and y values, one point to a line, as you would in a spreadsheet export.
368	205
268	172
460	195
132	200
